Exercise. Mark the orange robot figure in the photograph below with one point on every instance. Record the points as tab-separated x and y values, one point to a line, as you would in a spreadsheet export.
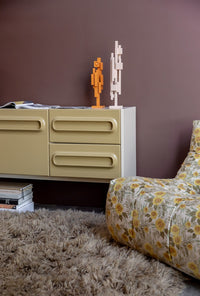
97	81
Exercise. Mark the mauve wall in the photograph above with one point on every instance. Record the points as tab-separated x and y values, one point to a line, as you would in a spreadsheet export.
47	50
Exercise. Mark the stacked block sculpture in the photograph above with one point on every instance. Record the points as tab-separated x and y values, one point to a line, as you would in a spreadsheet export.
97	81
116	66
161	217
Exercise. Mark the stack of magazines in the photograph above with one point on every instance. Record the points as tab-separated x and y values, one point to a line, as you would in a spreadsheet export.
16	197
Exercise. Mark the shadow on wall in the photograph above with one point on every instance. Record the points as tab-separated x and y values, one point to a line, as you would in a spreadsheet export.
182	149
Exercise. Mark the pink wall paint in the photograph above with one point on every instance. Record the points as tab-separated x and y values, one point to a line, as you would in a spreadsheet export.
47	50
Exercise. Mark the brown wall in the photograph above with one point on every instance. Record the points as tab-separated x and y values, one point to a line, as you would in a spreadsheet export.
47	50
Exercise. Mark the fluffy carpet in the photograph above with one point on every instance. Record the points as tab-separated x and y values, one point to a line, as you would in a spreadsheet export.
69	252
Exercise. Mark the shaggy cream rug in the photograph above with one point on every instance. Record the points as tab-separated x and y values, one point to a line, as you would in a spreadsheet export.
63	253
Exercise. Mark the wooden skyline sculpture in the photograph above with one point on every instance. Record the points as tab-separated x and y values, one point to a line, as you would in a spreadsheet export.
116	66
97	81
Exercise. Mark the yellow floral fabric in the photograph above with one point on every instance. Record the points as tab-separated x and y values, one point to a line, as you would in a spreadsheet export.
190	169
161	217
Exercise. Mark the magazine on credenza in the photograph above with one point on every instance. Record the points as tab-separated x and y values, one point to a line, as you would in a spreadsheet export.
31	105
27	105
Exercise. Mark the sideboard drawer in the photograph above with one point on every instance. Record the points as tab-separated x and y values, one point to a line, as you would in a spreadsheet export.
85	161
85	126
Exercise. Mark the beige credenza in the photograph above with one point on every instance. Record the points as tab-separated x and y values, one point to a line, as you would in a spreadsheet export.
68	144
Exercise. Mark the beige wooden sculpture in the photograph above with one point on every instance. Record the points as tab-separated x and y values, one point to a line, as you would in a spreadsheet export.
116	66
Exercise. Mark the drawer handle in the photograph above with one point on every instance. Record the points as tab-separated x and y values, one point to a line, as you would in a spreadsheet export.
84	159
10	123
80	124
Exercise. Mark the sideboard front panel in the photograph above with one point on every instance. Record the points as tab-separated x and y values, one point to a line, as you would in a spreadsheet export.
24	142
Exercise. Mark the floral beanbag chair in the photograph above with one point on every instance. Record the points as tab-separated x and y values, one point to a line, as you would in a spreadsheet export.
161	217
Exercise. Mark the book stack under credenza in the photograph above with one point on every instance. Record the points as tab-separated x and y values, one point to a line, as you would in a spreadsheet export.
16	196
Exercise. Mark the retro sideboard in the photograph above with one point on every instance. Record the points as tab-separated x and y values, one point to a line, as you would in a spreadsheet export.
94	145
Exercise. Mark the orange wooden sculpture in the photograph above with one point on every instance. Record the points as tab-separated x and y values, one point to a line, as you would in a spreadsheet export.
97	81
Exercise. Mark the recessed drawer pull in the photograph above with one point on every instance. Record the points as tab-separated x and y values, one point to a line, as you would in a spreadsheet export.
11	123
84	124
84	159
